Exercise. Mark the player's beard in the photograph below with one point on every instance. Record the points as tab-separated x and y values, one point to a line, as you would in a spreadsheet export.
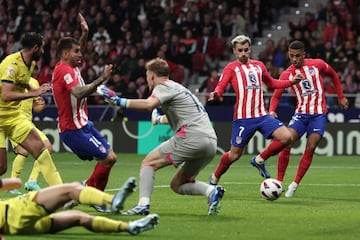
36	56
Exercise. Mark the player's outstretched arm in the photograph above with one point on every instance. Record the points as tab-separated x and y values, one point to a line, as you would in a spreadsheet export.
84	91
10	183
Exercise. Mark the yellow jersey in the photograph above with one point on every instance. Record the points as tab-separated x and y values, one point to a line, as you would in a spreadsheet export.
14	70
27	104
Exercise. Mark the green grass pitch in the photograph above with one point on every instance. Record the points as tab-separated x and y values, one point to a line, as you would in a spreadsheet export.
325	206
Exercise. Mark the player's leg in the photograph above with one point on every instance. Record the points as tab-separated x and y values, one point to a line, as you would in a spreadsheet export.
275	129
284	155
184	180
91	144
31	184
3	152
101	172
67	219
54	197
315	129
226	160
152	162
18	163
25	133
19	160
197	153
241	133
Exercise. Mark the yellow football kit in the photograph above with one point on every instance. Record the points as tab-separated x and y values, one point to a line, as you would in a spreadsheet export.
13	123
21	215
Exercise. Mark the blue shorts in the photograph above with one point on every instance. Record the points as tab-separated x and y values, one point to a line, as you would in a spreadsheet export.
86	142
308	123
244	129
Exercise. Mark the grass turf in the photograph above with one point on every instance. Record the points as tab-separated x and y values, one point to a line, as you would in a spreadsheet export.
325	206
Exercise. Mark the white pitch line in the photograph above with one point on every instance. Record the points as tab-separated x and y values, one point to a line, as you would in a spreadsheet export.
243	183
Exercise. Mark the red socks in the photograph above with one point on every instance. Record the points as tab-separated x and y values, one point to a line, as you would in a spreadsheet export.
304	165
223	166
99	177
283	162
273	148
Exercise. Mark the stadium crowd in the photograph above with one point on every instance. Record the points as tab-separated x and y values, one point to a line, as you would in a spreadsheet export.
192	35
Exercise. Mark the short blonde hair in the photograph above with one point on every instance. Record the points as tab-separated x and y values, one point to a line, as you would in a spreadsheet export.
242	39
159	66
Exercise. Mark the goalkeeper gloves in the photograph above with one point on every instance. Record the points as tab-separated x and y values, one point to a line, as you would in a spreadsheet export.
110	96
155	117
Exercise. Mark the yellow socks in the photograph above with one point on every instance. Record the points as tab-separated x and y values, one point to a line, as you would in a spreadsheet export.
103	224
93	196
48	169
18	165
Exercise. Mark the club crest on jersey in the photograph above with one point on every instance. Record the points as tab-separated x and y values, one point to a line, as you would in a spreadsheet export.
238	140
102	149
312	71
10	71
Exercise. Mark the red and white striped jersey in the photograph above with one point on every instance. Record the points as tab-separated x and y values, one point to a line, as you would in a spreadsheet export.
310	92
246	80
72	112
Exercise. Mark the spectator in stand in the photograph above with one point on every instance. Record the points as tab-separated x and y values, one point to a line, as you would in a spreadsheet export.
318	33
100	65
189	41
316	49
227	26
138	71
173	47
239	23
326	13
12	44
11	28
281	58
210	84
89	52
350	86
334	32
330	52
269	51
185	59
190	24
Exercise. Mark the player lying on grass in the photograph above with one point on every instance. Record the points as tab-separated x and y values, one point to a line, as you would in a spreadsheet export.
34	212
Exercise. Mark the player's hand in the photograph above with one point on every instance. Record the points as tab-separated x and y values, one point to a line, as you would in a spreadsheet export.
107	72
38	104
155	117
43	89
105	91
83	23
213	96
110	96
298	77
273	114
344	103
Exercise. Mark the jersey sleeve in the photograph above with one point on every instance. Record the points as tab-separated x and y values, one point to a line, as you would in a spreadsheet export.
8	72
223	81
329	71
68	76
162	93
275	99
273	83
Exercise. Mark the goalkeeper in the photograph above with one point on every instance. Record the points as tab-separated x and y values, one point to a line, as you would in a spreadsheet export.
191	149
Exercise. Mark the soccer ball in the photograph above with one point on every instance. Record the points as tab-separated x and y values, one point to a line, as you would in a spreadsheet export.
271	189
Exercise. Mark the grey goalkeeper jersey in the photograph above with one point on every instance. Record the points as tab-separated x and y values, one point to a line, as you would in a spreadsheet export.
182	108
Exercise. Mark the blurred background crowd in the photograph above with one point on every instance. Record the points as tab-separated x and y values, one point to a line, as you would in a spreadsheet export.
192	35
